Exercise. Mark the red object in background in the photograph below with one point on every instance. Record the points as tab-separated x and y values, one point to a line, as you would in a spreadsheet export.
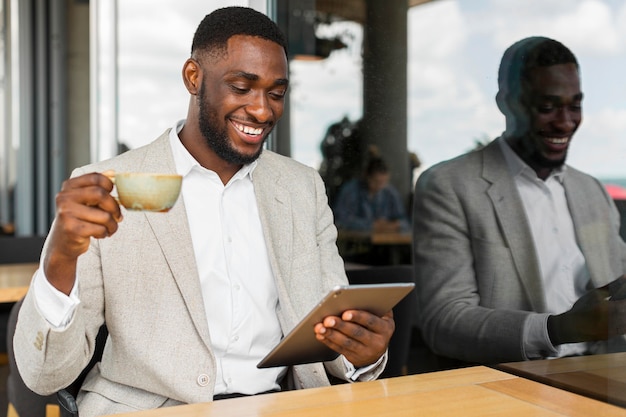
615	191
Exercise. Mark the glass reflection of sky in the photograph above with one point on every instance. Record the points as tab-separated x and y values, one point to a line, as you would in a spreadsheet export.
454	51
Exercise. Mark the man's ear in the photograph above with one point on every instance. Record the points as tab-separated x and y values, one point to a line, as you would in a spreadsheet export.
501	102
192	76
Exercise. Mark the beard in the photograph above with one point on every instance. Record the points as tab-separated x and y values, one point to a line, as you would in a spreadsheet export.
541	161
530	153
217	139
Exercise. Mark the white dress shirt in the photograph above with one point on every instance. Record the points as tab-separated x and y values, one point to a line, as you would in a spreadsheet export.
564	273
238	289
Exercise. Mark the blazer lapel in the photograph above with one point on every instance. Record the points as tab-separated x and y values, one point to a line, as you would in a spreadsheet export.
513	223
274	204
592	239
173	235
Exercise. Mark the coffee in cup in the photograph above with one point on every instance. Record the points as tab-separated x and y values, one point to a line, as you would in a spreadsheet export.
147	191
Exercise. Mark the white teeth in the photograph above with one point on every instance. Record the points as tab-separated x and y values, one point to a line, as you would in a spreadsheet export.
248	130
557	141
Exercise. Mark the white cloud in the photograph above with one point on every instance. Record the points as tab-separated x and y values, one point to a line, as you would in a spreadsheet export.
585	26
436	30
599	146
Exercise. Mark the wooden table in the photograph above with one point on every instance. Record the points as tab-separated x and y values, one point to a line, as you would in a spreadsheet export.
14	281
376	238
602	377
474	391
396	238
375	248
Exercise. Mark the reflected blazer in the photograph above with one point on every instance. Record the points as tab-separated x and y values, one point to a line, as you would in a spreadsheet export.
477	272
143	283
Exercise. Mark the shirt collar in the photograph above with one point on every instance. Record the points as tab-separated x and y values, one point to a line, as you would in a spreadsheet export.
185	162
518	167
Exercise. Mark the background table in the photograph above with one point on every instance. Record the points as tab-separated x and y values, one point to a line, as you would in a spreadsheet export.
474	391
14	281
602	377
379	248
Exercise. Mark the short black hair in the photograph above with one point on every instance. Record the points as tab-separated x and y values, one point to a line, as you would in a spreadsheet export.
376	165
521	57
219	26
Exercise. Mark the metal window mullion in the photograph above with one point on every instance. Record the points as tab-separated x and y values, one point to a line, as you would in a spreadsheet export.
5	142
23	95
41	151
58	107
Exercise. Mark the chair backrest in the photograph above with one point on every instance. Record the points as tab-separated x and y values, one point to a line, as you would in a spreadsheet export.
403	312
15	250
26	402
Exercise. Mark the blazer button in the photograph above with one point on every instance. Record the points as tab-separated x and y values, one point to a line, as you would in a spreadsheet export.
203	380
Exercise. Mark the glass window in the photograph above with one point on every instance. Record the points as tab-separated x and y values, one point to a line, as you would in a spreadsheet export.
410	81
7	172
455	47
153	44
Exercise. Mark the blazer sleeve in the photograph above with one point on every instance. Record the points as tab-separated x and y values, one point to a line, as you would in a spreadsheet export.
460	262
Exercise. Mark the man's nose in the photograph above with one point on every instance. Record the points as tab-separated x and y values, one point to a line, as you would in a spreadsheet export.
567	119
259	108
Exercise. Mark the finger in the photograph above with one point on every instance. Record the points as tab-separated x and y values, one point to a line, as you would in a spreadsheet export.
363	350
88	180
329	332
86	221
368	320
89	190
354	335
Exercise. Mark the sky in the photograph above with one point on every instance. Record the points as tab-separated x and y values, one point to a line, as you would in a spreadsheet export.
454	49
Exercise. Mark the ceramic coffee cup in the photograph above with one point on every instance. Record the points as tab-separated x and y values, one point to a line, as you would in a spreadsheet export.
147	191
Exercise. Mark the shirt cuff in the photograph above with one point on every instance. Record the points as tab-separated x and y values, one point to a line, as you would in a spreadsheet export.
361	374
535	339
56	307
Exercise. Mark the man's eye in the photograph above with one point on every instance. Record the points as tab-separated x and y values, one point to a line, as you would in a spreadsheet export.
545	108
278	95
238	90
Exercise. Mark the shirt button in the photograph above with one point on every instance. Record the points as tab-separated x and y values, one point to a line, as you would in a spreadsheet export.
236	338
203	380
236	286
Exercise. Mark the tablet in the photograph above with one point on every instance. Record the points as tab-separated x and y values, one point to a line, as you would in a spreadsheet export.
300	345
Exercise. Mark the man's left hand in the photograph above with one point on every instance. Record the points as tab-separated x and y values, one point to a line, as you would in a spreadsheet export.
361	337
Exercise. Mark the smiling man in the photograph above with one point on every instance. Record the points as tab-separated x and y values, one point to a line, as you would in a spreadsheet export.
517	255
194	298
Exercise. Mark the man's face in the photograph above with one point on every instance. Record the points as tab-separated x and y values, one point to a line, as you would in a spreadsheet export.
377	181
551	102
242	97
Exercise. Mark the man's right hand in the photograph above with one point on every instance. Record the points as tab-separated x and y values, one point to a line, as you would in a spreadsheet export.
84	209
598	315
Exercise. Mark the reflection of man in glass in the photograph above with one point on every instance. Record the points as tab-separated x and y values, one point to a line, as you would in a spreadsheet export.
513	249
370	203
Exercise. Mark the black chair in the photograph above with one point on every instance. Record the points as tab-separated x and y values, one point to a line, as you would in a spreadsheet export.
30	404
403	312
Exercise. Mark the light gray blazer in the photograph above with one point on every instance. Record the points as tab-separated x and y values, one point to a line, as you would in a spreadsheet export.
477	272
143	282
